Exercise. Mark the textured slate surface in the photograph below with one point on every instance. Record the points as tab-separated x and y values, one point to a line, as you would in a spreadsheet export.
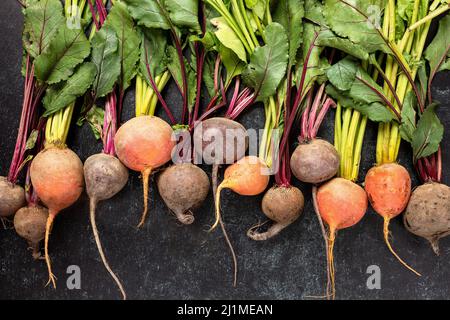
168	261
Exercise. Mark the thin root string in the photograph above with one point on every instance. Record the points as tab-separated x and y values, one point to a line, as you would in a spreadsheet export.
233	254
92	207
324	234
330	264
145	177
217	205
257	226
35	250
48	228
434	242
222	226
6	223
386	239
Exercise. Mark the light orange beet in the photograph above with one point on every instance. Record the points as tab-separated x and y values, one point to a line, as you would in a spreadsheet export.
341	203
247	177
388	187
57	177
143	144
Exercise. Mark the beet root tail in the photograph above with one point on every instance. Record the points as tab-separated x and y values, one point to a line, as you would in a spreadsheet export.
92	207
386	239
434	242
331	290
216	191
274	229
145	181
217	206
185	218
48	228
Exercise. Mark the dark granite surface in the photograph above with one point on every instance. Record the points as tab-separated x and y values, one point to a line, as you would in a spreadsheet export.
167	261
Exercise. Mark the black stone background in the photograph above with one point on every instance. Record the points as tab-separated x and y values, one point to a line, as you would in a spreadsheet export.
167	261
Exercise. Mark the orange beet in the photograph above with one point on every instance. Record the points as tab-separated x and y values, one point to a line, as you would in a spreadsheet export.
341	203
57	177
247	177
143	144
388	187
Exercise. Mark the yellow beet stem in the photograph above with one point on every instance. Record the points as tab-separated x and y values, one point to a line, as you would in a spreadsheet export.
145	181
138	95
352	132
358	148
344	136
146	98
412	43
386	239
380	138
161	83
48	228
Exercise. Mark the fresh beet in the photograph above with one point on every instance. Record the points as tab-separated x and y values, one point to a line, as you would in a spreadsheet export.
220	141
283	205
315	161
183	188
428	213
105	176
12	198
388	188
341	204
57	177
144	144
29	223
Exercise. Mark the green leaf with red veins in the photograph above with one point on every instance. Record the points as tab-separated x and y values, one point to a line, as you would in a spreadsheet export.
106	59
342	74
329	39
173	64
42	19
314	12
154	13
155	41
374	111
438	50
184	13
233	65
408	124
289	13
358	20
60	95
428	134
121	21
268	63
147	13
67	50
